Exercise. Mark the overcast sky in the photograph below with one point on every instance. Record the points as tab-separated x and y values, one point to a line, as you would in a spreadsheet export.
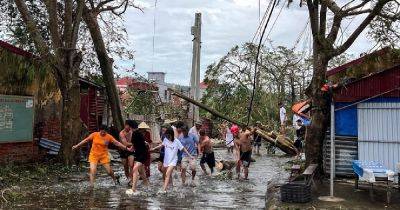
225	23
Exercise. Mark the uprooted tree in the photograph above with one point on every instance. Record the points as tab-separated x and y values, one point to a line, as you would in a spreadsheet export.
326	45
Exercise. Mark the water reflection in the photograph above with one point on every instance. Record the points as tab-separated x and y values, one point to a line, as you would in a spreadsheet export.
210	192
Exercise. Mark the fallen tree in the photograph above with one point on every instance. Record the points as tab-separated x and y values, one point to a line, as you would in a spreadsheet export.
283	143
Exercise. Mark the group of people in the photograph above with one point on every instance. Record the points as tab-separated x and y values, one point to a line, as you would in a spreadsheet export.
179	150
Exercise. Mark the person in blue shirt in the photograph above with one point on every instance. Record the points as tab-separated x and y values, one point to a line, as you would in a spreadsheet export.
191	143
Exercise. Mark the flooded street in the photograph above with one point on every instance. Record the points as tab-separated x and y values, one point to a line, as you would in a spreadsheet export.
210	192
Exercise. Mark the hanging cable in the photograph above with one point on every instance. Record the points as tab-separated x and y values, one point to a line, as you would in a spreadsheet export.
258	31
154	34
256	65
273	24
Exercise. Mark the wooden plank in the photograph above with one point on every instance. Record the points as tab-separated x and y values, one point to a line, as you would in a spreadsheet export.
310	169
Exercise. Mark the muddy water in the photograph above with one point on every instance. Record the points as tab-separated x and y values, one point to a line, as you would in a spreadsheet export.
210	192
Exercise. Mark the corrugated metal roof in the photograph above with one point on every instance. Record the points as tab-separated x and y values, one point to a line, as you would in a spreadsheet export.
379	132
372	85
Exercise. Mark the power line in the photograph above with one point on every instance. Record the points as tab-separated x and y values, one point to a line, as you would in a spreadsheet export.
300	35
154	34
256	65
261	23
272	27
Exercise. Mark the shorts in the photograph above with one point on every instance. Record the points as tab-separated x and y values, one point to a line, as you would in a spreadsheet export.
141	157
160	158
209	159
245	158
102	159
125	154
180	153
298	144
188	162
257	143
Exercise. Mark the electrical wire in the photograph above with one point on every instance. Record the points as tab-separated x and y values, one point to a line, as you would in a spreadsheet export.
258	31
256	65
272	27
154	34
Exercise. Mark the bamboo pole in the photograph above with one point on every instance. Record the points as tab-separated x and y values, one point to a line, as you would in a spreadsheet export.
279	141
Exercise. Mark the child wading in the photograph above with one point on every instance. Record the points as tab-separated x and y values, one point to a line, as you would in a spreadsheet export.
99	152
171	148
206	148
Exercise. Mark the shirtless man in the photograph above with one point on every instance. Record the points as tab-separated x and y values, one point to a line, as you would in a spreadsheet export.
243	149
206	149
127	158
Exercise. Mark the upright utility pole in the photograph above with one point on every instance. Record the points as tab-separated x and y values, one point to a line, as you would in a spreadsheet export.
195	76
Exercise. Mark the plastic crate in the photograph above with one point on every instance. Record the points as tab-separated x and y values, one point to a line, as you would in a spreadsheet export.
296	192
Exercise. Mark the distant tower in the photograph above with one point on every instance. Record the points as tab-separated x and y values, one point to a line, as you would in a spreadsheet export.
159	79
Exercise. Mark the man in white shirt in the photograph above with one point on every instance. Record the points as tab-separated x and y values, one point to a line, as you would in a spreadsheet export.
282	117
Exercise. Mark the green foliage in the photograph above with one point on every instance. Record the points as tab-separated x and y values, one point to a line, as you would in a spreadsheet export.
282	76
141	102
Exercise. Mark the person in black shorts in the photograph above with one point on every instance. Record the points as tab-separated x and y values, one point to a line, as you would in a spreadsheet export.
141	156
126	156
245	158
257	140
206	148
300	134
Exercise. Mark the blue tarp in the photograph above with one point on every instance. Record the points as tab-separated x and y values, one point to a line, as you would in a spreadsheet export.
346	123
346	120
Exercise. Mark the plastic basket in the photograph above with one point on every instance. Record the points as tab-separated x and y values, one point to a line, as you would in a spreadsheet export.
296	192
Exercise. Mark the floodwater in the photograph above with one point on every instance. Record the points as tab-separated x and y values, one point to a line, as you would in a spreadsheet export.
209	192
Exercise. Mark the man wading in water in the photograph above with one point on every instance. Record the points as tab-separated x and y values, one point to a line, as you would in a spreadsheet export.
127	157
243	149
99	152
206	148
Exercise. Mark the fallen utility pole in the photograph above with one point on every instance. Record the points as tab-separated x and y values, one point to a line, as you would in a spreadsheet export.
283	143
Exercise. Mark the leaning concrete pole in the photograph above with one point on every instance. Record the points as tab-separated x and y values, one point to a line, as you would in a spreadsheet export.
195	76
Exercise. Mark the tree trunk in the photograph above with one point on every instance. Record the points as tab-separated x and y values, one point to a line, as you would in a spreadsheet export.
70	117
106	66
320	111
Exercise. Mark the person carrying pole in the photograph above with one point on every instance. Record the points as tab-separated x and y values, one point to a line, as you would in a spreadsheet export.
243	149
99	152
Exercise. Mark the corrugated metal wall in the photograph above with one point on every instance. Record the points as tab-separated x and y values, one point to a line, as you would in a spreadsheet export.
345	153
379	132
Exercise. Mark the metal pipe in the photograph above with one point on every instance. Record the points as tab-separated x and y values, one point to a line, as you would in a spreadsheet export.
332	173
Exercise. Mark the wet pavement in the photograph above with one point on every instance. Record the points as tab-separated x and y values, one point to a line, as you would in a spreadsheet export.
210	192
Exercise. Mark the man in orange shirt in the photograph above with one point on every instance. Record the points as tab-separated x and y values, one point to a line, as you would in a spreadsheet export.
99	152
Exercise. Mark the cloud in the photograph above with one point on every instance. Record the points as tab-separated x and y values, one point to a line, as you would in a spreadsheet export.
225	23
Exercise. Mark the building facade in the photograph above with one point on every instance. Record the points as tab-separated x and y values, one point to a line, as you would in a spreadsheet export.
367	116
